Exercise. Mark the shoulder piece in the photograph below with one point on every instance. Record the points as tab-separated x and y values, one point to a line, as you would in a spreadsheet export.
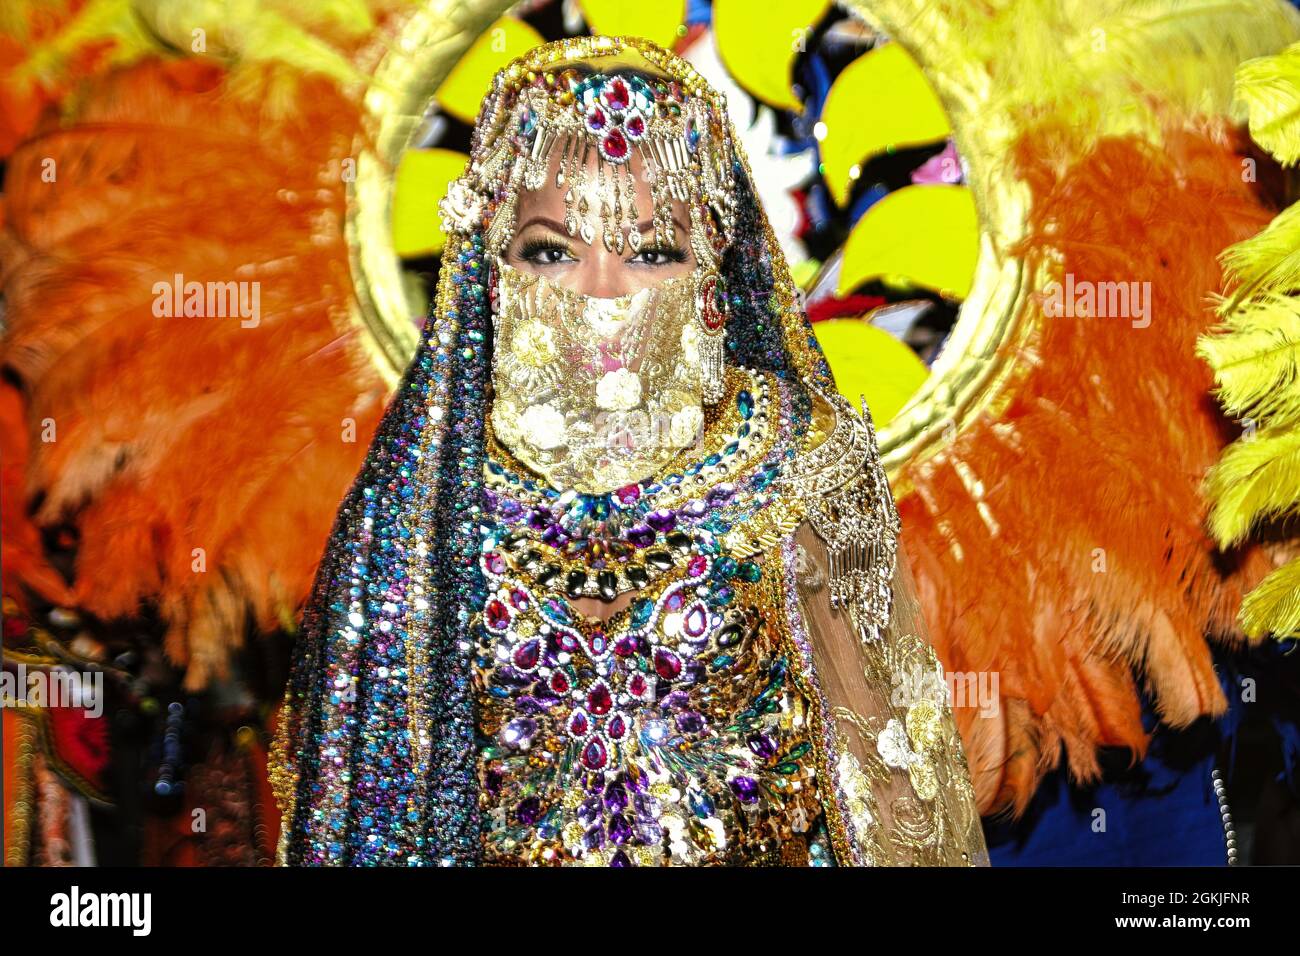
843	489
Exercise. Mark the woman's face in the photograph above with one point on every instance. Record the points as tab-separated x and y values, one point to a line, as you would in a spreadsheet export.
542	246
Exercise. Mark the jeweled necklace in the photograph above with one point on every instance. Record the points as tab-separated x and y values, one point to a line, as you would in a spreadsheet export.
603	545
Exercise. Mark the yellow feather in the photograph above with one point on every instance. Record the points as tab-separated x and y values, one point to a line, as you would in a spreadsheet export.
1269	87
1255	356
1266	262
1273	607
1257	478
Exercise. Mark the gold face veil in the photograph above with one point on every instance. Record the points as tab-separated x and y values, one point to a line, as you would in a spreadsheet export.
761	546
596	393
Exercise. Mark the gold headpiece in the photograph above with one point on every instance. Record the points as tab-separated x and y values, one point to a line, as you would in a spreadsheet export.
553	98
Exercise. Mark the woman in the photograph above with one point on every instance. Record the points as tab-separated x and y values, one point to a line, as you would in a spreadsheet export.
619	582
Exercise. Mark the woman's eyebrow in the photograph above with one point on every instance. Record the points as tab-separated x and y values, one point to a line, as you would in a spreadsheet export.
543	221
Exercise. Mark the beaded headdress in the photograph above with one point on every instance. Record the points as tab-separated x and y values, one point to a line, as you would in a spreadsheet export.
676	128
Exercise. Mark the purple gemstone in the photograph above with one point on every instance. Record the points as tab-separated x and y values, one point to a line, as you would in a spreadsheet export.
620	831
529	809
690	722
719	495
662	520
490	500
616	796
676	700
745	789
694	510
762	745
625	646
641	536
539	519
510	509
620	859
555	536
519	732
594	838
589	811
649	834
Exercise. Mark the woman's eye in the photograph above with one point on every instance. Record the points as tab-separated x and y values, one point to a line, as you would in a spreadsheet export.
545	254
659	257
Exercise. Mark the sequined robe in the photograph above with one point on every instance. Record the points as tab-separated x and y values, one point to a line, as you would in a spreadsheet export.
728	715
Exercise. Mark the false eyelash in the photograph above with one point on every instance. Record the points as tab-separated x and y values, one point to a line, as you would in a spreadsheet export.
542	244
674	253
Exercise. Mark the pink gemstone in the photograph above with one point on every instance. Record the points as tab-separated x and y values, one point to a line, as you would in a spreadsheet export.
634	125
636	686
667	664
495	563
697	565
617	96
519	598
598	643
498	617
527	654
628	494
599	700
617	727
596	119
560	682
593	755
615	145
696	620
578	724
675	601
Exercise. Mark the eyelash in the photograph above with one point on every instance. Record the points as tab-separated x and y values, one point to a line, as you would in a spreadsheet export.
534	247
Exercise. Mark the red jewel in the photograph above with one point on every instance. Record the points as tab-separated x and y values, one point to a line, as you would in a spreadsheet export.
598	699
593	755
667	664
498	617
596	119
634	125
614	146
617	97
526	655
